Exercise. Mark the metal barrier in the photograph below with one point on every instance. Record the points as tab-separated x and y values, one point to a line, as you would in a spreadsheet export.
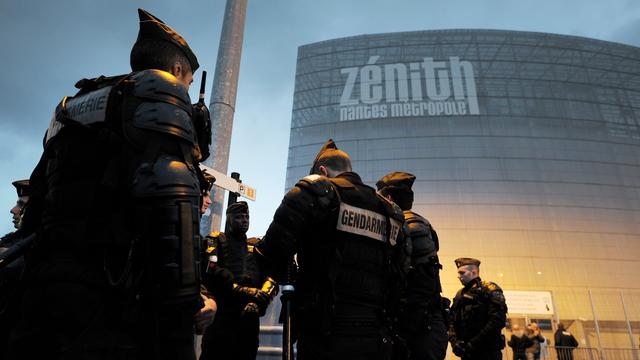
559	353
620	354
580	353
569	353
270	348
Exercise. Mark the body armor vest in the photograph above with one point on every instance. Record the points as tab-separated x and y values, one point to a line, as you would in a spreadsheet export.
120	183
236	255
472	309
423	280
349	260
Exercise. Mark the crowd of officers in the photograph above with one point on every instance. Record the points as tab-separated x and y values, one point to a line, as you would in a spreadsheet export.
112	265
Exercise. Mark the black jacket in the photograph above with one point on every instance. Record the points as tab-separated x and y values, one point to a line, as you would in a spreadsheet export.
345	236
565	339
423	280
478	315
519	343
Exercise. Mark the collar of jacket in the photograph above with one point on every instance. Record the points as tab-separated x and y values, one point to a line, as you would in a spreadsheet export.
473	283
351	177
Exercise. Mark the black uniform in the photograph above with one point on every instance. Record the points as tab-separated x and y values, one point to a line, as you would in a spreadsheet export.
234	333
565	343
478	315
9	290
422	323
10	274
115	204
346	238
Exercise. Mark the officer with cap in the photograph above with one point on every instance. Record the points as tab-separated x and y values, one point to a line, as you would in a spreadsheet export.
10	275
23	191
235	330
422	322
22	188
206	186
115	274
348	241
479	312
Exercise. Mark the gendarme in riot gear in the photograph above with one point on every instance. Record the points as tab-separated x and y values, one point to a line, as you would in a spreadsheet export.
422	322
234	334
11	270
347	239
116	209
478	314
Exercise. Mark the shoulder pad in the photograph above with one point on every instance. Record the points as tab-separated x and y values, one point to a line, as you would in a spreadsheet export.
215	234
165	105
158	85
165	118
491	286
167	176
252	244
416	224
211	250
213	241
254	241
7	240
493	292
410	216
318	185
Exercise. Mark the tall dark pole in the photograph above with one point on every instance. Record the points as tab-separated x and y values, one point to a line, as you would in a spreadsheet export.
286	298
223	102
233	197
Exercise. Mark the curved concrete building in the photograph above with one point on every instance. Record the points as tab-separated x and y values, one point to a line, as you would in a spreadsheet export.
526	148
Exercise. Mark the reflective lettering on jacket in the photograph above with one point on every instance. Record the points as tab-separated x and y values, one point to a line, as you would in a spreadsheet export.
85	109
367	223
89	108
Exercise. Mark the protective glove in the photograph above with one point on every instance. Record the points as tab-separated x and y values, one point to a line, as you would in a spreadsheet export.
251	309
461	348
249	294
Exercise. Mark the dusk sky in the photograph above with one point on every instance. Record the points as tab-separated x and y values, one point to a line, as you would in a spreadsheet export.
49	45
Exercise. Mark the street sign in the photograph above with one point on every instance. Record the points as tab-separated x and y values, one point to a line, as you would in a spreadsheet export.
230	184
247	191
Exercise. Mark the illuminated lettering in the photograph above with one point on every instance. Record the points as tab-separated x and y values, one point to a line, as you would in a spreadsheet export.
371	82
352	75
437	86
396	74
398	90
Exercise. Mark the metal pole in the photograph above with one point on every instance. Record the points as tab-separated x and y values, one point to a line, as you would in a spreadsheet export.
626	316
595	320
287	293
555	311
223	101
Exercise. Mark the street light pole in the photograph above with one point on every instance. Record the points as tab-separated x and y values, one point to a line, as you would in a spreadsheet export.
223	102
